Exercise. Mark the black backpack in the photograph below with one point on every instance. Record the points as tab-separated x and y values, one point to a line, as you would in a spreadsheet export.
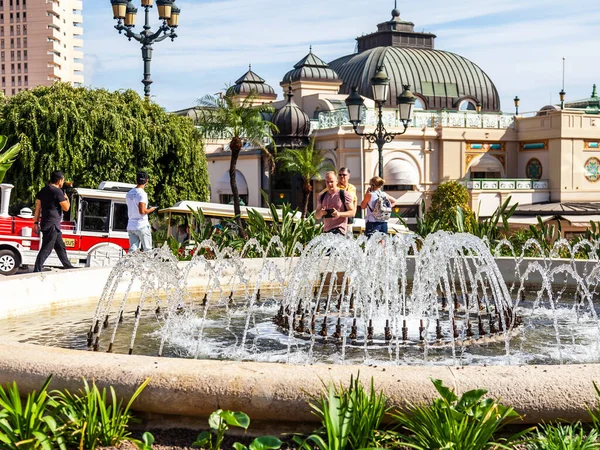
343	198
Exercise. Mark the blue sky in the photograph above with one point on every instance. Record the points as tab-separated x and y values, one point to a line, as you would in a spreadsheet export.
519	43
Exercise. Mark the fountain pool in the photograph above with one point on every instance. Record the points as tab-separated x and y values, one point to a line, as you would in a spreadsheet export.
397	291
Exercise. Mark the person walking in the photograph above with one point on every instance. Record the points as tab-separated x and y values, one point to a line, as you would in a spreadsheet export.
138	226
333	209
50	203
372	202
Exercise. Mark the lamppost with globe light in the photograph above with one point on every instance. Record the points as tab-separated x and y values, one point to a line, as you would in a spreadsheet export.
124	11
381	86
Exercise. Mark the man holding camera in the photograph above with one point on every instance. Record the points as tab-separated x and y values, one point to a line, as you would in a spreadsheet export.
138	226
50	203
333	209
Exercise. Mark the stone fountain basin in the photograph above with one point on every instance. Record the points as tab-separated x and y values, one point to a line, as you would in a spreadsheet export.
274	394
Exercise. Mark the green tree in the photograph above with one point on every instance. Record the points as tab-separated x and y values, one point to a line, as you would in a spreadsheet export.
444	202
8	157
227	118
94	135
308	162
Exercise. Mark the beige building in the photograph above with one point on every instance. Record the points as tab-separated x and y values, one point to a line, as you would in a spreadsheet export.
548	162
40	43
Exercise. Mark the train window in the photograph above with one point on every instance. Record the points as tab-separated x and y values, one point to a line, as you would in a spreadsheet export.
120	217
95	215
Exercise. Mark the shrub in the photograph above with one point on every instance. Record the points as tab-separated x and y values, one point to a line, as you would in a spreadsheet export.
564	437
444	202
350	417
29	425
92	419
468	422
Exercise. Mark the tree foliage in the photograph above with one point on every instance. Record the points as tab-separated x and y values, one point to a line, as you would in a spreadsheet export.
444	204
94	135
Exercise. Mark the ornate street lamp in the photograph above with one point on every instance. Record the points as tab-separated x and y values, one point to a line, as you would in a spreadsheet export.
562	94
517	100
381	87
124	11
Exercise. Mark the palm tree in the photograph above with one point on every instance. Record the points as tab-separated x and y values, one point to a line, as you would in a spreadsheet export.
223	117
308	162
8	157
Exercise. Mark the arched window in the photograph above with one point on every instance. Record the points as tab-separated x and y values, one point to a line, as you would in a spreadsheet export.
419	103
467	105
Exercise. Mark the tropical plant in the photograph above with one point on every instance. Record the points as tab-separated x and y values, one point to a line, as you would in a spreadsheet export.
367	411
469	422
336	416
226	117
92	418
564	437
488	228
595	413
308	162
545	234
29	425
94	135
350	417
444	201
292	231
8	157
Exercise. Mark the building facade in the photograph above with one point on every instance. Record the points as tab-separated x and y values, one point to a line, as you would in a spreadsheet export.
459	132
40	43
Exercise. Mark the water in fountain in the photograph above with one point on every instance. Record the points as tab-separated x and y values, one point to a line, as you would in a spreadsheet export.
388	300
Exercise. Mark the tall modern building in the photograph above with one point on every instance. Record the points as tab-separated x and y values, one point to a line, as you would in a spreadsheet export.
40	43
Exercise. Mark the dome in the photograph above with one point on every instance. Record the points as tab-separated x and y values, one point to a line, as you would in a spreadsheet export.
310	68
250	82
293	124
443	80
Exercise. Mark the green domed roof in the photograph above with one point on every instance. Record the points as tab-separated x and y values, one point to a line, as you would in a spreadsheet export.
441	78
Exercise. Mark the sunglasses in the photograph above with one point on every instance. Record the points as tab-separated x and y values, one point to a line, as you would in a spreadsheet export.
342	174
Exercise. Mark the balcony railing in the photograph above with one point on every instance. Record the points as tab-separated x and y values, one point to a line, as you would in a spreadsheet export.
505	184
431	119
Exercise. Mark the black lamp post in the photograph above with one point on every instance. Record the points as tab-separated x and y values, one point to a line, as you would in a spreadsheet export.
517	100
562	94
381	86
125	12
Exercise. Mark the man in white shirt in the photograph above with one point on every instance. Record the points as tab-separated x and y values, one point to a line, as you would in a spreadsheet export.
138	226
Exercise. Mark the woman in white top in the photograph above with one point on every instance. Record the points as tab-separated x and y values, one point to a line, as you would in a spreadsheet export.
368	203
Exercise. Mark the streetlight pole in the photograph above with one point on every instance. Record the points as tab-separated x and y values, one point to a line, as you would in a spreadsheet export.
380	136
125	12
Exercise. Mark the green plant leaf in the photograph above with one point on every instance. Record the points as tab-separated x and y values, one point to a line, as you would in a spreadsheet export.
204	439
265	443
236	419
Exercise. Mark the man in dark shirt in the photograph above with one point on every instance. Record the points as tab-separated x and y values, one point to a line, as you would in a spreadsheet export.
50	203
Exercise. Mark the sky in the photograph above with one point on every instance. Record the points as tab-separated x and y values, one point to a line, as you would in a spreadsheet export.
520	44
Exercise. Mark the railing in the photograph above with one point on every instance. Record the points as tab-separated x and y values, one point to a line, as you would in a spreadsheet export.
431	119
505	184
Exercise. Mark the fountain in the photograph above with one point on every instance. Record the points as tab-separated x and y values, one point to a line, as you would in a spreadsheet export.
403	308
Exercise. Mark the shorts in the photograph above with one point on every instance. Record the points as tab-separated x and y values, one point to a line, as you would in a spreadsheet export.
140	238
373	227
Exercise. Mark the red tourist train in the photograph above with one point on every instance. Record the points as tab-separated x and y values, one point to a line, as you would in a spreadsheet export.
95	235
